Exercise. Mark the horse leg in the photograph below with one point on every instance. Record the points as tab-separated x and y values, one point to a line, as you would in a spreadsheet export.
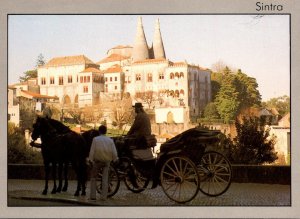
54	177
60	167
76	168
66	166
83	177
46	168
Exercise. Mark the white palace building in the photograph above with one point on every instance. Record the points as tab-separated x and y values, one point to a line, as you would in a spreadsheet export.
181	90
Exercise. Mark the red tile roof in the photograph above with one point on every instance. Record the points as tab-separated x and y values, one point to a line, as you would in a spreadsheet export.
94	70
36	95
113	69
68	60
113	58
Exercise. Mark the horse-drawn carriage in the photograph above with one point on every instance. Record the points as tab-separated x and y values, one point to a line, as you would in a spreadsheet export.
182	167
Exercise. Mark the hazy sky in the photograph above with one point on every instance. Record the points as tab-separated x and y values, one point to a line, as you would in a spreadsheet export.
260	47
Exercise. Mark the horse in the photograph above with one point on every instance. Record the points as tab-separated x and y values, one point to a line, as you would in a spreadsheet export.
63	146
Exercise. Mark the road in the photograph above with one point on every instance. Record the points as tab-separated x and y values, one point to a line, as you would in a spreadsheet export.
28	193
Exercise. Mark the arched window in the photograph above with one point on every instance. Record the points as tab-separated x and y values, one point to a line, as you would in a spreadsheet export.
181	75
182	91
177	93
172	75
177	75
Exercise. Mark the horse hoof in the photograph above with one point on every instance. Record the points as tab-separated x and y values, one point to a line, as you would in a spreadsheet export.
65	189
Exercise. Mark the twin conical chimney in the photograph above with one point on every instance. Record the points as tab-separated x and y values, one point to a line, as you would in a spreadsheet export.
157	45
140	49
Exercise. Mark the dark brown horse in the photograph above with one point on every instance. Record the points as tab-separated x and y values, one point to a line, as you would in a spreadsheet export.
61	146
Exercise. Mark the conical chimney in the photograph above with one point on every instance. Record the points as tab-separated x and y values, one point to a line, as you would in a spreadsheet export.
157	45
140	48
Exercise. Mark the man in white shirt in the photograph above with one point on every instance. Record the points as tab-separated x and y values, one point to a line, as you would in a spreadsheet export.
102	152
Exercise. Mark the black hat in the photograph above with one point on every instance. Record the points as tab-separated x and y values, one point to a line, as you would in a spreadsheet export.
138	105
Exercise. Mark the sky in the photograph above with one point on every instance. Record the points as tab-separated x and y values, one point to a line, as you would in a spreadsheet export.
259	47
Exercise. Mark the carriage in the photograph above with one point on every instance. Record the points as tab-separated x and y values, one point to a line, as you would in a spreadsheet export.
183	166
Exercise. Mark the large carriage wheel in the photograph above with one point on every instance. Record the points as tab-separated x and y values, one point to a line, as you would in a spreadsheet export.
179	179
113	181
215	173
134	180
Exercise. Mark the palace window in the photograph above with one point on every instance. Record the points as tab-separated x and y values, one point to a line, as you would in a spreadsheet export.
149	77
84	79
138	77
116	78
172	75
81	79
61	80
116	87
161	76
69	78
43	80
181	74
52	80
88	79
110	79
85	89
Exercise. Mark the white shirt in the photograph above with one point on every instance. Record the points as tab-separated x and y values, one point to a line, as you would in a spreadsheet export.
103	149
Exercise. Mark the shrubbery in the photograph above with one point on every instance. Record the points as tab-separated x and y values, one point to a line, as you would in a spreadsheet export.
17	151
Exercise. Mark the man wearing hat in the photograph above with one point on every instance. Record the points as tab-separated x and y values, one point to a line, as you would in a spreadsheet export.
141	126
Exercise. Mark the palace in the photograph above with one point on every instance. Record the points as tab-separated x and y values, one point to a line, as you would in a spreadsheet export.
177	88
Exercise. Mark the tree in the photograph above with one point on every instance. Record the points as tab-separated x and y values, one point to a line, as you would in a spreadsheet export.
253	143
27	75
211	112
33	73
282	104
227	99
148	97
121	111
17	151
40	60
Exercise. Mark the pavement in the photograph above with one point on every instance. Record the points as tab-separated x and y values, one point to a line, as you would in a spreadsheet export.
239	194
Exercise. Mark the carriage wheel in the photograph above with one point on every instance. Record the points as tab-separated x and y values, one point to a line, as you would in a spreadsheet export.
133	174
215	173
113	179
179	179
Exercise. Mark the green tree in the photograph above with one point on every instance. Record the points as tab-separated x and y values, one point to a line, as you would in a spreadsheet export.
227	99
33	73
211	111
282	104
17	151
253	143
40	60
27	75
248	89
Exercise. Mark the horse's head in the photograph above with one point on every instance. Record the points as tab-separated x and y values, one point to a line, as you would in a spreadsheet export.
40	127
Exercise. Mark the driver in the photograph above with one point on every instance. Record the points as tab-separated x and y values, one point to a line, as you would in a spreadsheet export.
141	127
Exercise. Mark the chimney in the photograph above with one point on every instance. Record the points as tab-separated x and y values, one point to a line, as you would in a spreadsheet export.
140	48
157	45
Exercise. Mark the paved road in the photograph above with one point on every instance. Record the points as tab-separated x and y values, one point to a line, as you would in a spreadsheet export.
28	193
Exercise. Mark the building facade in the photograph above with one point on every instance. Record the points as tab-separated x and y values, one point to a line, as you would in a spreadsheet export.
135	70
